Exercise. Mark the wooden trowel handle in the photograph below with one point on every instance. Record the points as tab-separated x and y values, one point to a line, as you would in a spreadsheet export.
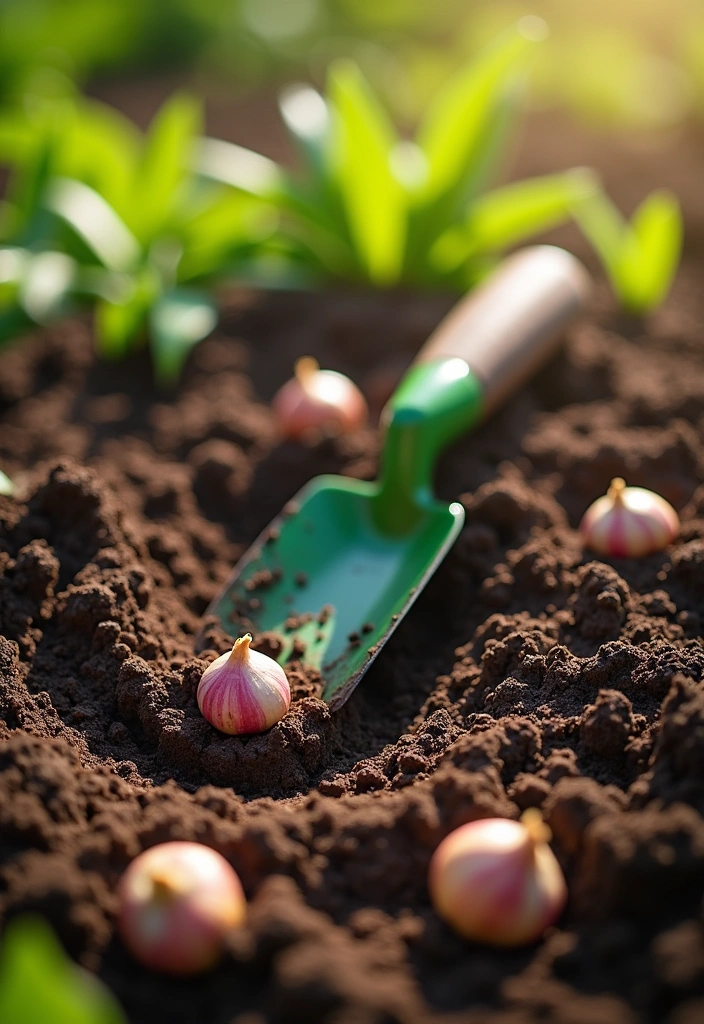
511	323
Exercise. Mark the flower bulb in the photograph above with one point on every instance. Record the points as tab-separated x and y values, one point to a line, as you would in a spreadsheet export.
243	691
316	399
629	522
497	881
178	901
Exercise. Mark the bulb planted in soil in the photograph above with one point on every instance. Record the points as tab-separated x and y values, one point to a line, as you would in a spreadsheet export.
629	522
497	881
316	399
243	691
178	901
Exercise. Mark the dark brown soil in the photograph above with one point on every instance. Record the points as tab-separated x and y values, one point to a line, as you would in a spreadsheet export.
527	674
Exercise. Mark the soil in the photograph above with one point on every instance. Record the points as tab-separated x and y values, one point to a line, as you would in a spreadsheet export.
528	673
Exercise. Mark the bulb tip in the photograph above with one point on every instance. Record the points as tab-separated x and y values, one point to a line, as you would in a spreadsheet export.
616	489
305	368
164	888
240	648
538	831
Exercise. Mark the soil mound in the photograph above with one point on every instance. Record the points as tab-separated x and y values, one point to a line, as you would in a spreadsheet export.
527	674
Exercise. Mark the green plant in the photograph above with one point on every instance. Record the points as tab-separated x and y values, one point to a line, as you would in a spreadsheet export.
95	211
640	257
372	207
39	984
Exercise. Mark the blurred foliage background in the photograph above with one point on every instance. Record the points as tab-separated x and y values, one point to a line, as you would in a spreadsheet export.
621	63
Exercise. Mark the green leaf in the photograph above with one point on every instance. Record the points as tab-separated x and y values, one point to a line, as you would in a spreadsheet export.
640	258
259	177
101	148
453	131
307	118
8	488
240	168
510	214
119	325
168	151
14	322
362	144
13	264
17	140
230	222
46	285
177	322
652	252
606	229
27	187
95	221
39	984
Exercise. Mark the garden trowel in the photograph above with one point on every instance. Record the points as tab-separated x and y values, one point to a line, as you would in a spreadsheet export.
336	572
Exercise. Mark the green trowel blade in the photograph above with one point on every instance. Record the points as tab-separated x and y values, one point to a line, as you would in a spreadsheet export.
332	584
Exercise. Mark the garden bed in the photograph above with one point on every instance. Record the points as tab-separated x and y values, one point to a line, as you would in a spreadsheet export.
527	674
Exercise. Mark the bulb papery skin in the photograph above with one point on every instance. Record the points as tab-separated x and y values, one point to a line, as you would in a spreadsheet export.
497	881
629	522
243	691
178	901
318	399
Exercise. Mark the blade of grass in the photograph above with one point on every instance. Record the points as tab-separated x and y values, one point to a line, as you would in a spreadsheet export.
359	157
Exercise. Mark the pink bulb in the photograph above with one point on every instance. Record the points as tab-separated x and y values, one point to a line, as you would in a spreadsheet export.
629	522
317	399
178	901
243	691
497	881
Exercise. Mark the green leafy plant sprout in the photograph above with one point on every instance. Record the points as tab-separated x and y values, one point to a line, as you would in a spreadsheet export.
97	212
39	984
140	227
372	207
641	256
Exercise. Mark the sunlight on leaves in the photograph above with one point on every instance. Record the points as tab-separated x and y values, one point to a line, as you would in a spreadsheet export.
451	133
363	139
95	221
640	258
168	150
652	251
